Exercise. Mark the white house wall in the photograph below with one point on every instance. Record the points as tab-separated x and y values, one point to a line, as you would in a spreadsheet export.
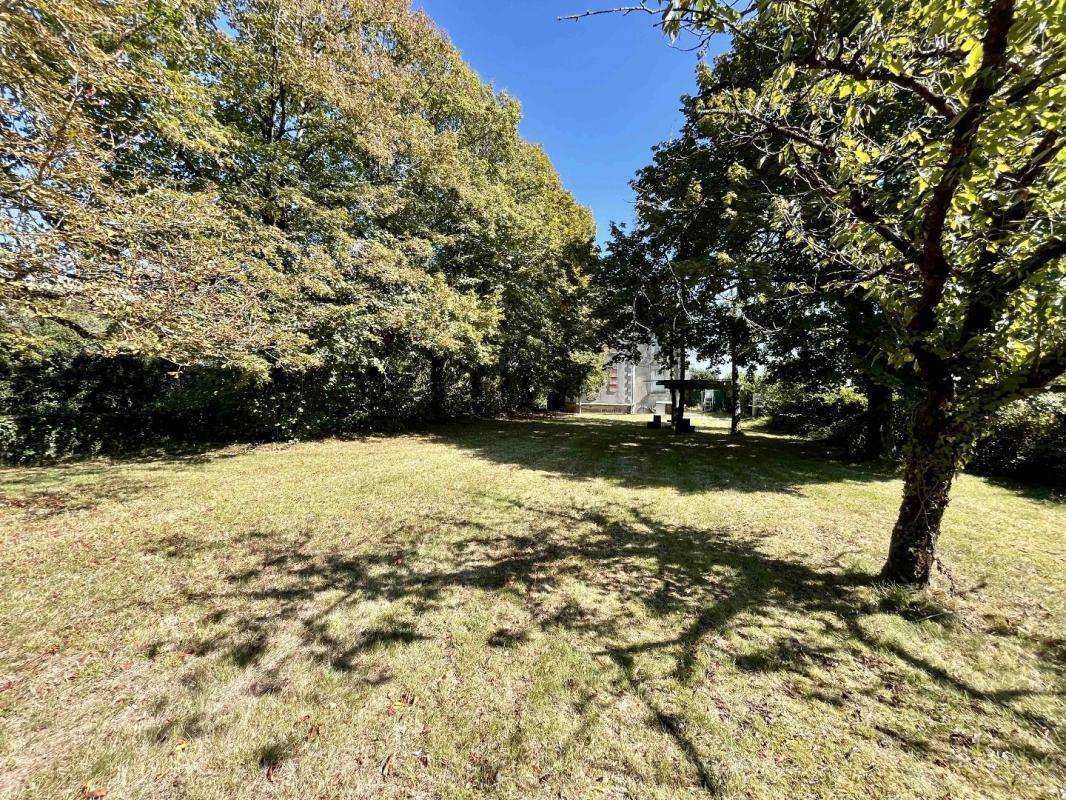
633	384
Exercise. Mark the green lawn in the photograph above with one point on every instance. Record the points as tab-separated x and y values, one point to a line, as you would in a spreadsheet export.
529	609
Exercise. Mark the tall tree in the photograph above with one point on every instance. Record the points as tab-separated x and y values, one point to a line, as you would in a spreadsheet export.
94	237
318	193
930	135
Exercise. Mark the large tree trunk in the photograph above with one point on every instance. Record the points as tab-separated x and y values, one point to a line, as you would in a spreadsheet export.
438	389
932	455
878	421
734	388
477	390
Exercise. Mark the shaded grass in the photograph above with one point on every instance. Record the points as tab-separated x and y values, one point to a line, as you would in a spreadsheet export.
576	608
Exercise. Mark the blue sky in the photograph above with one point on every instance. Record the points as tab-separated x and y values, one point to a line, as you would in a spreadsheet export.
596	94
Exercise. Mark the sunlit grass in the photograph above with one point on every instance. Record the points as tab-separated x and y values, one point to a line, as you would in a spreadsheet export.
580	608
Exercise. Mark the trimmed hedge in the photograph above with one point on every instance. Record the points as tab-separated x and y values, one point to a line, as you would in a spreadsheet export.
89	406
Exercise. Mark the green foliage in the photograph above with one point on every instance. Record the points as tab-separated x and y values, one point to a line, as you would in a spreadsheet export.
1026	439
831	415
314	193
922	170
933	173
680	276
107	405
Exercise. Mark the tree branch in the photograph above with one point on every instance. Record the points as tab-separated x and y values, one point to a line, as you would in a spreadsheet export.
934	265
992	295
623	10
1025	382
795	134
1019	93
942	105
860	210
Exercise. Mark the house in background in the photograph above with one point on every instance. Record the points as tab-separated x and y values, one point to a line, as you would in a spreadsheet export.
631	385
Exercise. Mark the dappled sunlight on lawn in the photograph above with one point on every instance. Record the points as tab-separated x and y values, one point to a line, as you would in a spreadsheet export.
621	450
545	608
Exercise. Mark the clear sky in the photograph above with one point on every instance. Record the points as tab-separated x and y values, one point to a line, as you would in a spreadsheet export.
596	94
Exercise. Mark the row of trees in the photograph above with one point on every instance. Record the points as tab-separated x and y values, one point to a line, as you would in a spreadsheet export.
315	203
871	191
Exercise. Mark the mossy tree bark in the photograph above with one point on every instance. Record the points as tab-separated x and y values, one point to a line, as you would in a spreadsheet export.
931	461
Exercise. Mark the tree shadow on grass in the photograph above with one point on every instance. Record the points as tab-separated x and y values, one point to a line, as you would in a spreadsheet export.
1042	489
42	504
627	453
667	592
44	492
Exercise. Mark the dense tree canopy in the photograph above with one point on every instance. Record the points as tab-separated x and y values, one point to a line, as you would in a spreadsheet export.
298	191
910	158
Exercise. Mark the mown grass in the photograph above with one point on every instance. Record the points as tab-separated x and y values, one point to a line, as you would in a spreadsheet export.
574	608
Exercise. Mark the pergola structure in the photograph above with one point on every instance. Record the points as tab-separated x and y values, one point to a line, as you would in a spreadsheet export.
678	388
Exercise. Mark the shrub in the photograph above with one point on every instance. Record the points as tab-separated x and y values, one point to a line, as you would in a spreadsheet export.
95	405
89	404
834	415
1025	439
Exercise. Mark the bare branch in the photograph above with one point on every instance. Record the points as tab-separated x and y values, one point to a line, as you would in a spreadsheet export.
623	10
